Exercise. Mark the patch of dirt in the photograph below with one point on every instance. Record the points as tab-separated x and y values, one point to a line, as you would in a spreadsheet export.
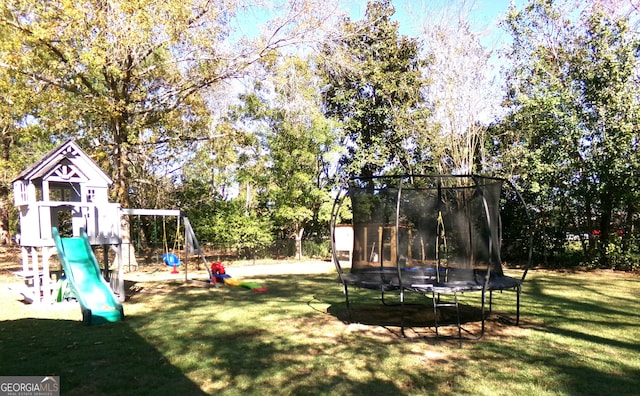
10	261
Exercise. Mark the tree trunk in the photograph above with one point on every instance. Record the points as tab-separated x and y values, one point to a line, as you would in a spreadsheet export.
5	190
121	174
605	228
589	223
121	179
5	235
298	236
128	258
627	228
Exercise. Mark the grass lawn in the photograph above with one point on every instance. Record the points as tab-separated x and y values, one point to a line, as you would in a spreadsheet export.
579	335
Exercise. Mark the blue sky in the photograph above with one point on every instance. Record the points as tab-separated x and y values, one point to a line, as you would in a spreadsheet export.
411	14
484	15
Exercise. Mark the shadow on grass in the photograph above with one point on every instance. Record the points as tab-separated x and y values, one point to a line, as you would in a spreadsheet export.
586	333
592	304
99	360
237	341
188	339
418	318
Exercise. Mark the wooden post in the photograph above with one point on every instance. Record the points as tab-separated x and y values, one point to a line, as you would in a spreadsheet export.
122	294
36	275
409	244
394	246
46	276
105	260
25	261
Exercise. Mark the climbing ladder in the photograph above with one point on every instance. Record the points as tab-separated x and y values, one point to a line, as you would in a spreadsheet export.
436	295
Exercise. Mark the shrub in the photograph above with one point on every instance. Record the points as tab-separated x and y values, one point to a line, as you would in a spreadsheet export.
316	248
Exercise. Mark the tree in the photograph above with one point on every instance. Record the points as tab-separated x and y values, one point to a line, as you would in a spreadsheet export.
20	138
131	77
293	179
460	92
372	83
572	134
227	224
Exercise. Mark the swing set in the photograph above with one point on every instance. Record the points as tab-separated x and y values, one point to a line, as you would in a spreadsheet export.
170	255
186	242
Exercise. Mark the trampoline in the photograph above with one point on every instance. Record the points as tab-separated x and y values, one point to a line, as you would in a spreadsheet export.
433	235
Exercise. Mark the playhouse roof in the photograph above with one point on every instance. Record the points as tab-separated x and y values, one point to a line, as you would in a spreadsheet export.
68	151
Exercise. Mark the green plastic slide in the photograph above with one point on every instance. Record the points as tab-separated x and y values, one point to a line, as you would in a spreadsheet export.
97	302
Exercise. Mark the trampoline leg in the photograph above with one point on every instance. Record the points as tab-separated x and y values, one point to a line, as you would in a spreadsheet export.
455	297
518	291
484	297
346	296
435	311
490	301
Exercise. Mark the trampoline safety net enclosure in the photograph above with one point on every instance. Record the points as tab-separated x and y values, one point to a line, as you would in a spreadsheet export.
449	222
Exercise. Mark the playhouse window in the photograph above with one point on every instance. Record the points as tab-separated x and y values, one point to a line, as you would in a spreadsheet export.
24	197
64	192
91	195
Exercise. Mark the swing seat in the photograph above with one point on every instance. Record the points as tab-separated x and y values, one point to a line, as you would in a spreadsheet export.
171	260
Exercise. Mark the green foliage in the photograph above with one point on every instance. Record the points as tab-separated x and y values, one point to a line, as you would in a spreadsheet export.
290	163
133	79
372	82
228	224
571	135
111	75
252	233
22	140
317	249
134	84
623	252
